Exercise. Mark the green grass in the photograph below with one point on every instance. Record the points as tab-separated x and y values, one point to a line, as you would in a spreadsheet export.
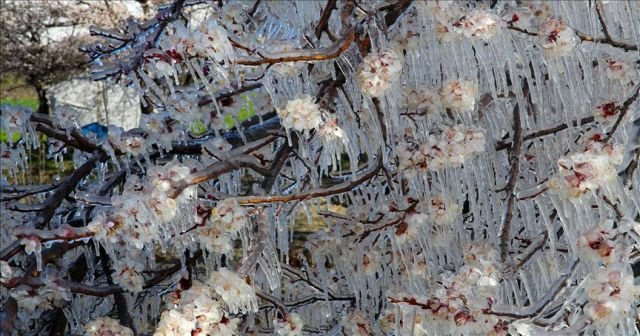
28	102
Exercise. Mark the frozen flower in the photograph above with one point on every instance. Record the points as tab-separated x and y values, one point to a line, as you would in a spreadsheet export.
609	311
541	9
234	291
164	178
378	72
459	96
596	245
606	112
441	210
522	17
301	114
106	326
8	272
331	131
617	70
211	40
214	239
128	275
422	99
355	323
290	325
556	38
173	323
231	215
479	24
587	170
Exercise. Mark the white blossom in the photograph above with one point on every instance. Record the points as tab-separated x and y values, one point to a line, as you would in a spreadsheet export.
301	114
556	38
106	326
459	96
378	72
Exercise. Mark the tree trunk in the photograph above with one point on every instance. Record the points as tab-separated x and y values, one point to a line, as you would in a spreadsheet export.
43	106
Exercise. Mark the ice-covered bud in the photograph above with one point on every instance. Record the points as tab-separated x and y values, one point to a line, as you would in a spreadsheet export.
378	72
556	38
234	291
290	325
459	96
301	114
216	146
106	326
479	24
422	99
8	272
31	244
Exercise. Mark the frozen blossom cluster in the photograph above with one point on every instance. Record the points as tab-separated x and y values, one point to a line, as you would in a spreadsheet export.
379	72
451	148
336	167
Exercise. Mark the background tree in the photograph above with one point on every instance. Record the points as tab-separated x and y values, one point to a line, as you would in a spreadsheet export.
472	165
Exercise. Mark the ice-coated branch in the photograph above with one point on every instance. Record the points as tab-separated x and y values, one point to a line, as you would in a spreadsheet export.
304	55
541	304
514	173
318	192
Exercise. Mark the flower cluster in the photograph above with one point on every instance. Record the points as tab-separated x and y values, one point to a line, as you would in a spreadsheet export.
556	38
479	24
207	40
590	169
612	295
227	219
132	143
422	99
234	291
145	214
301	114
195	312
451	148
290	325
104	326
378	72
45	297
459	96
460	301
445	13
598	244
